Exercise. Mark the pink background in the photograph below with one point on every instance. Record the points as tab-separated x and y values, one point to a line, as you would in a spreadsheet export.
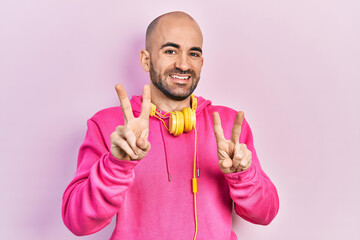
293	67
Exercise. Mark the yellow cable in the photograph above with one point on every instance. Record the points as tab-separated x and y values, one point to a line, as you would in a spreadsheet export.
162	115
162	121
194	184
196	224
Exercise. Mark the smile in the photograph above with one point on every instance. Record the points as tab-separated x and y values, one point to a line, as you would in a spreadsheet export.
180	77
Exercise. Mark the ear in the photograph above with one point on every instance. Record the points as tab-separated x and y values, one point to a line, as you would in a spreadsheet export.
145	60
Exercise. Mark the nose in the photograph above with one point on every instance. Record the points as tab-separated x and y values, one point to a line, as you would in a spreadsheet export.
182	62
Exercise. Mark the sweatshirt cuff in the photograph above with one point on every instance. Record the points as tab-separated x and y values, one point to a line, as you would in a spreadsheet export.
243	176
116	165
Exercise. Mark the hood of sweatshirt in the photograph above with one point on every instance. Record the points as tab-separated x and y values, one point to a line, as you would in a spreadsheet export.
136	107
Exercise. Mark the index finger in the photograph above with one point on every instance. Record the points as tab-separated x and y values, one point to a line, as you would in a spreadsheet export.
219	133
125	103
146	103
236	130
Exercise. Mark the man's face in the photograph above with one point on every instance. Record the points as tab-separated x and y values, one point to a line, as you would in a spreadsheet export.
176	57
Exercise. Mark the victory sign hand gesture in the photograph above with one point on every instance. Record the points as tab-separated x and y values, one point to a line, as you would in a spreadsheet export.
233	156
130	141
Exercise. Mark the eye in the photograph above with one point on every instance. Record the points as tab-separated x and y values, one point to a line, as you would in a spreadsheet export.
170	51
194	54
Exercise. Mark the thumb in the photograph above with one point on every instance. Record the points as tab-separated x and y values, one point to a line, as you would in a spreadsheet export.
144	134
142	143
226	163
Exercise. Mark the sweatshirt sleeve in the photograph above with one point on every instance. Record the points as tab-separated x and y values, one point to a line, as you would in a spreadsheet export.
98	189
254	195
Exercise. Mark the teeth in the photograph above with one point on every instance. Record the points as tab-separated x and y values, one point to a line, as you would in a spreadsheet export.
178	77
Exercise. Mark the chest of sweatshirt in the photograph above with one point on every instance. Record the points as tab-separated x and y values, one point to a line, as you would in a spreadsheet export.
174	155
168	152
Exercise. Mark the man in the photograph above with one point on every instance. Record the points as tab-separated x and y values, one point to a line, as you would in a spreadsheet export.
131	166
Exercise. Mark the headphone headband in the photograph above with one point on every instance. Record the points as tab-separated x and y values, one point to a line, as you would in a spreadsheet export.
193	102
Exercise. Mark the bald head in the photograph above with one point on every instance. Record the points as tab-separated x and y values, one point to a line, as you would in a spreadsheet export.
181	18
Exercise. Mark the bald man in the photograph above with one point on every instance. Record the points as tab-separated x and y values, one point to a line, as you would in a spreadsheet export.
168	164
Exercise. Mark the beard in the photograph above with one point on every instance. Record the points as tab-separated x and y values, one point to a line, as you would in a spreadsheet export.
161	84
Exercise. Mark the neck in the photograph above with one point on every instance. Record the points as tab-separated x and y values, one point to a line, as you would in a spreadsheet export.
166	104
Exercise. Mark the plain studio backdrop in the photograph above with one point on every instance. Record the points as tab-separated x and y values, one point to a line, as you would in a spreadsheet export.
293	67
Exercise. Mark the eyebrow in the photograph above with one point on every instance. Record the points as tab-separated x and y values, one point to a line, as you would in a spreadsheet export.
196	49
170	44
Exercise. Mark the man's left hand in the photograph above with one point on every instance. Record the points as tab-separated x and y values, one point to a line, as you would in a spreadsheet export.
233	156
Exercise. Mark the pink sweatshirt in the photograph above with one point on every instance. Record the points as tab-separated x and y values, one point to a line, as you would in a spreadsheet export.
147	204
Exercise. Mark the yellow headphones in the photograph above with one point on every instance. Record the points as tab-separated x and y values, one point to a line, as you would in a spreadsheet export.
180	121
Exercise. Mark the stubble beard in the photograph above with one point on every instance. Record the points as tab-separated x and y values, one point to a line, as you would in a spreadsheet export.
161	84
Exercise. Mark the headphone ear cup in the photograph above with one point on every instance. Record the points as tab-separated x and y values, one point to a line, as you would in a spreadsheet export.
176	123
189	119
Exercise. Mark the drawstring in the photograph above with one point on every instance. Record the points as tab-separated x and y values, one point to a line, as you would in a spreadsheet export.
165	149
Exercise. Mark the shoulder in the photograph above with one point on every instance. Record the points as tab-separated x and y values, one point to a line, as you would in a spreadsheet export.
221	109
207	106
111	115
225	113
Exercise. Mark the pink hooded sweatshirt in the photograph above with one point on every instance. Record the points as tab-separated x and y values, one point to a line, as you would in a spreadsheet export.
147	204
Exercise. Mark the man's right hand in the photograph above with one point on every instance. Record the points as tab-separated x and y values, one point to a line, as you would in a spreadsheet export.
130	141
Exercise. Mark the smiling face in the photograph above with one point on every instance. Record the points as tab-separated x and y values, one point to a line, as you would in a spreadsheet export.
175	59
